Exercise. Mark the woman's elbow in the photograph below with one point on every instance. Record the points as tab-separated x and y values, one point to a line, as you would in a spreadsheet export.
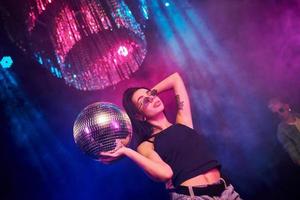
162	176
176	75
167	175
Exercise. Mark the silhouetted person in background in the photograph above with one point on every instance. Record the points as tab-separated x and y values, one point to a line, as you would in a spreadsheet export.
288	131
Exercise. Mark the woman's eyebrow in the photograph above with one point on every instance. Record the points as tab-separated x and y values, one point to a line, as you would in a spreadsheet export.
143	95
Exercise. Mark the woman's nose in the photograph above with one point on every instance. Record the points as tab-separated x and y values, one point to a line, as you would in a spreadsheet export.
151	98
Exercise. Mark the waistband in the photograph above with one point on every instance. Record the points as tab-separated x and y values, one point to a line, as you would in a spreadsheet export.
214	189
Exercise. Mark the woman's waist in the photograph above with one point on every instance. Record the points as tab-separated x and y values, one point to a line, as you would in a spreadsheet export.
206	178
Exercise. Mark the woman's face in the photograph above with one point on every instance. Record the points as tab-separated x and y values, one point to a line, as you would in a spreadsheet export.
147	104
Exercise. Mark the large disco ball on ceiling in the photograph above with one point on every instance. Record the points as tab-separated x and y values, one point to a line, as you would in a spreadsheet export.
98	127
91	44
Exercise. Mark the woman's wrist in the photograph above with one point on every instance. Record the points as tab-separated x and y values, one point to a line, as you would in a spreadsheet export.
126	151
130	153
153	92
167	83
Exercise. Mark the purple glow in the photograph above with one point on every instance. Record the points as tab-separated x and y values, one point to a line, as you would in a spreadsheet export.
115	125
87	130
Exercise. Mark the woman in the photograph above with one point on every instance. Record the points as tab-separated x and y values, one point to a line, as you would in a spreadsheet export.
172	153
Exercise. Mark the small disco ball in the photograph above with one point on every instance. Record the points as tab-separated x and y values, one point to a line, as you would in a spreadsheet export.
98	127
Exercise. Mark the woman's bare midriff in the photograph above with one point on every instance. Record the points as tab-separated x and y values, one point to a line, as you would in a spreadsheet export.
208	177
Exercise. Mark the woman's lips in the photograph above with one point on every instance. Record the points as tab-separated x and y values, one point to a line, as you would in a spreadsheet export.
156	104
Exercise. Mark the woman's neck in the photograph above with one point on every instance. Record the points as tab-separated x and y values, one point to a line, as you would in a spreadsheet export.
160	121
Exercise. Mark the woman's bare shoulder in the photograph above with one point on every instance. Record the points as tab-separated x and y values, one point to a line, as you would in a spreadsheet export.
145	147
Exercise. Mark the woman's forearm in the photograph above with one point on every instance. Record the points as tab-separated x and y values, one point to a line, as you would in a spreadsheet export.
155	170
169	82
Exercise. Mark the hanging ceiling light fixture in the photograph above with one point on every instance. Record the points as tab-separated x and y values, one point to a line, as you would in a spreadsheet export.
92	44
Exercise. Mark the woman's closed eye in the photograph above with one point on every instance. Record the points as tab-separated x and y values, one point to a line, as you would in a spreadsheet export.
144	101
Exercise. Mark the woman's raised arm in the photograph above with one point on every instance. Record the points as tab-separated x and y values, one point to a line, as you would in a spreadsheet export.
175	82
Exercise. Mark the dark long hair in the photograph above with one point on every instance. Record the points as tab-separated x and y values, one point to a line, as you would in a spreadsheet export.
141	129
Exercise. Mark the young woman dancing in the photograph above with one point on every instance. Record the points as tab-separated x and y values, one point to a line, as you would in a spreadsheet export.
173	153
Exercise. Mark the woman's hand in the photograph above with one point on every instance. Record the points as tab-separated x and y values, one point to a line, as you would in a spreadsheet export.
109	156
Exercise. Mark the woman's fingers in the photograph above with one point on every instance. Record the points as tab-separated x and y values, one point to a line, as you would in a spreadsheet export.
119	144
107	153
113	153
108	156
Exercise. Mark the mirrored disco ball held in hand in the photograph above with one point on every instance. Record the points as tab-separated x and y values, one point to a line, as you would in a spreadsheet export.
99	126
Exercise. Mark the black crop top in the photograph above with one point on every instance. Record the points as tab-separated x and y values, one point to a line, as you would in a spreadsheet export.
185	151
